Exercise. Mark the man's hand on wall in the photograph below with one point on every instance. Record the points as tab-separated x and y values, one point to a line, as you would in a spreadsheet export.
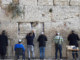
32	31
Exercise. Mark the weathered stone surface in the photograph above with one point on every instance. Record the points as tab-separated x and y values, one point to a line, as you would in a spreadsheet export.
61	2
9	48
2	15
45	2
65	13
28	2
11	29
25	27
64	30
0	2
63	19
75	3
6	2
15	1
8	15
39	14
19	18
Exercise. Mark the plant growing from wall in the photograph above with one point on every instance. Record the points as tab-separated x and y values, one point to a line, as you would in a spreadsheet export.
50	10
15	10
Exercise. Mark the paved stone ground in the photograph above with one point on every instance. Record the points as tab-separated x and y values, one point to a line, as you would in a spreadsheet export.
13	58
41	59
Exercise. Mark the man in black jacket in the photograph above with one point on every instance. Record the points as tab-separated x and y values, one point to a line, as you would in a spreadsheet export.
73	38
3	44
42	38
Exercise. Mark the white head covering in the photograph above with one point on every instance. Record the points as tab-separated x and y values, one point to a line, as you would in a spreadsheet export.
19	40
42	32
57	33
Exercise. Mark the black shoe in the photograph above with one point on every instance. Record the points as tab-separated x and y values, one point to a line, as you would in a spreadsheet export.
76	56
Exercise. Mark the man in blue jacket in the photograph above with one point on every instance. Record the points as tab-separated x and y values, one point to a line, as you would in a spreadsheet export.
19	45
30	36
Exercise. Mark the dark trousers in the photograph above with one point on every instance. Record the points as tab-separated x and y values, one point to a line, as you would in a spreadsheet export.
73	54
2	56
22	56
60	51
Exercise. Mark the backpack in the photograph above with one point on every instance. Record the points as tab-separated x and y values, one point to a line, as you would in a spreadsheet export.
57	44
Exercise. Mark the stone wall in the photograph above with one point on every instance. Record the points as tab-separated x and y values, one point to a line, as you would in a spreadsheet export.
64	18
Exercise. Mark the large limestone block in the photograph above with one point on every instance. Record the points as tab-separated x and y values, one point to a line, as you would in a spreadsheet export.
9	48
20	18
0	2
39	14
45	2
65	13
6	2
28	2
2	15
73	26
17	18
11	29
75	2
15	1
61	2
25	27
48	48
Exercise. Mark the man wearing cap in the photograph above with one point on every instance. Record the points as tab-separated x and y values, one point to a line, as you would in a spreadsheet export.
58	40
41	39
30	37
3	44
19	45
73	38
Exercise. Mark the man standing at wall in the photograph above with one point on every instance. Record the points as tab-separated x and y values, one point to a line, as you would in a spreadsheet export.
73	38
30	36
42	38
3	44
58	40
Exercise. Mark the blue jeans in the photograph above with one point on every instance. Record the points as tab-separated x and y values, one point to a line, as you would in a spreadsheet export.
73	54
60	51
23	55
42	52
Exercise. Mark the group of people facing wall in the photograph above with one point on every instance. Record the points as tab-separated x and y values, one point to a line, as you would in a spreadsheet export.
30	46
72	38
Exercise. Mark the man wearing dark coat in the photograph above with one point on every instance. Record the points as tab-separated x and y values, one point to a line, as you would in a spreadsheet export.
3	44
42	43
73	38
